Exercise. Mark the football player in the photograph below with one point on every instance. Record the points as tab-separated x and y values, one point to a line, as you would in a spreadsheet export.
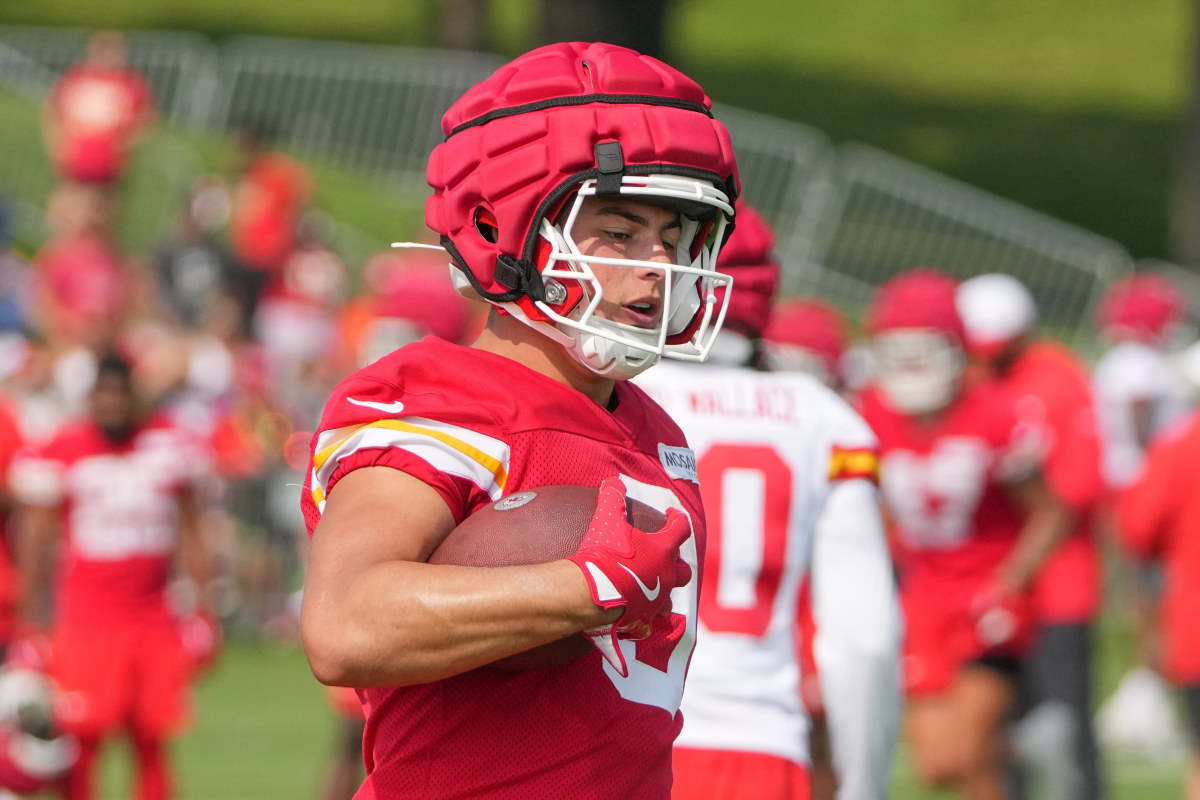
789	478
972	521
584	190
1053	392
807	335
117	495
1138	392
1159	517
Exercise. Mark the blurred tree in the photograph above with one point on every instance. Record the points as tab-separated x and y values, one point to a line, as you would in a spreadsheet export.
1185	201
637	24
463	24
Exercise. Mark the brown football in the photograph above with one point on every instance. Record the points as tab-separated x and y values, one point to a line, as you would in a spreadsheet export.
533	527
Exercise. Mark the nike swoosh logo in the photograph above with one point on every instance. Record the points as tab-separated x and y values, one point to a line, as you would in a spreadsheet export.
394	407
650	595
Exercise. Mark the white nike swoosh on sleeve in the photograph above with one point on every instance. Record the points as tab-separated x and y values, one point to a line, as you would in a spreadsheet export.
394	407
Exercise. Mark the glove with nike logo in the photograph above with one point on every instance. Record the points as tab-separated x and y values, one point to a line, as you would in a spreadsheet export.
625	566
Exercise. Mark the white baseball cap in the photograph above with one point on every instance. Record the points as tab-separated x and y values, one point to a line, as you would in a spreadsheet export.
995	309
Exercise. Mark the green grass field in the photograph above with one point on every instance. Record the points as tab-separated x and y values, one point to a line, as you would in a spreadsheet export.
264	732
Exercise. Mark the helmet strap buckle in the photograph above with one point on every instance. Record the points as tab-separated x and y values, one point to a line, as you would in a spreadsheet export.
610	163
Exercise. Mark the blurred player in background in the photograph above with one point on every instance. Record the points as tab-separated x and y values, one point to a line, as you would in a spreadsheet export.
809	336
112	501
96	114
789	476
1138	391
1053	392
972	521
1138	394
1159	515
584	191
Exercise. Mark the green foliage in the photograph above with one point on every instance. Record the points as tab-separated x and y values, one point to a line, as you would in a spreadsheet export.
1071	107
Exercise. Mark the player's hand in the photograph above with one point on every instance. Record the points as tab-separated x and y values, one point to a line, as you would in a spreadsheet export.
998	614
202	640
628	567
29	649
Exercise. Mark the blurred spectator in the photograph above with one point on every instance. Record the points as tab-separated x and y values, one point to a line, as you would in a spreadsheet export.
972	521
1136	387
270	194
807	335
406	295
96	113
117	496
83	285
190	266
1053	393
295	322
1159	514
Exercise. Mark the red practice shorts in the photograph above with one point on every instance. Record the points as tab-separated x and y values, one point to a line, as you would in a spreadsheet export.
124	677
942	636
732	775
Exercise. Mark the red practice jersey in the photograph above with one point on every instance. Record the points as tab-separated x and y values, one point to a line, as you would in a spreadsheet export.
1054	393
98	111
118	515
952	521
1160	519
476	427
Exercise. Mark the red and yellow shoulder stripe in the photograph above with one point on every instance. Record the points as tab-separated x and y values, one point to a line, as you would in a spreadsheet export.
849	463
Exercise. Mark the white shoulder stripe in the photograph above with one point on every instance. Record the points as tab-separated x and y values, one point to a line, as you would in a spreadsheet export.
457	451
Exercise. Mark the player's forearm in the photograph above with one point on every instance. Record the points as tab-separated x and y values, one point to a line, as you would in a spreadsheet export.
36	534
1044	528
405	622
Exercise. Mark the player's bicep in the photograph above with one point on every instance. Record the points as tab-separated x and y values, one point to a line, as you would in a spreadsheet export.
375	515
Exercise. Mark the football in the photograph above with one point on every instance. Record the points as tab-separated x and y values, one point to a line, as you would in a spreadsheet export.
533	527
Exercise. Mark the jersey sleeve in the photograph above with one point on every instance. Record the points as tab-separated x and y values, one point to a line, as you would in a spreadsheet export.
370	423
1146	507
38	477
1019	445
856	614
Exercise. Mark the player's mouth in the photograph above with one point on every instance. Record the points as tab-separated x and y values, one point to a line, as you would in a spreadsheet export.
643	313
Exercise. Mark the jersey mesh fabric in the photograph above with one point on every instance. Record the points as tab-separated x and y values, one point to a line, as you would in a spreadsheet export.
565	731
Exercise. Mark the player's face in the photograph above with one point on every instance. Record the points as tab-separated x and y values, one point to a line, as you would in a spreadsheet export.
616	227
113	406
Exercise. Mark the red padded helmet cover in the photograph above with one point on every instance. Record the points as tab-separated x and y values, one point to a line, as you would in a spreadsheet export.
919	298
1143	304
811	324
748	257
518	141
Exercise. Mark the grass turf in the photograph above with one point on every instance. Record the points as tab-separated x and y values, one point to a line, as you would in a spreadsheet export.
263	731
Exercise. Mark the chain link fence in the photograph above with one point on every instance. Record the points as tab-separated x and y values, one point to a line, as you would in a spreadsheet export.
847	217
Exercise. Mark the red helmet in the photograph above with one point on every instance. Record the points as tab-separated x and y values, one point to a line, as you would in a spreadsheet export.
815	329
1144	305
919	298
917	340
561	123
420	293
747	257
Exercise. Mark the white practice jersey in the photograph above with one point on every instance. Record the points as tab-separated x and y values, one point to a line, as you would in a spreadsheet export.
788	474
1126	374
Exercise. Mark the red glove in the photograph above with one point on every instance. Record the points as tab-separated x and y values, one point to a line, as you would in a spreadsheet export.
202	641
628	567
999	614
29	649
